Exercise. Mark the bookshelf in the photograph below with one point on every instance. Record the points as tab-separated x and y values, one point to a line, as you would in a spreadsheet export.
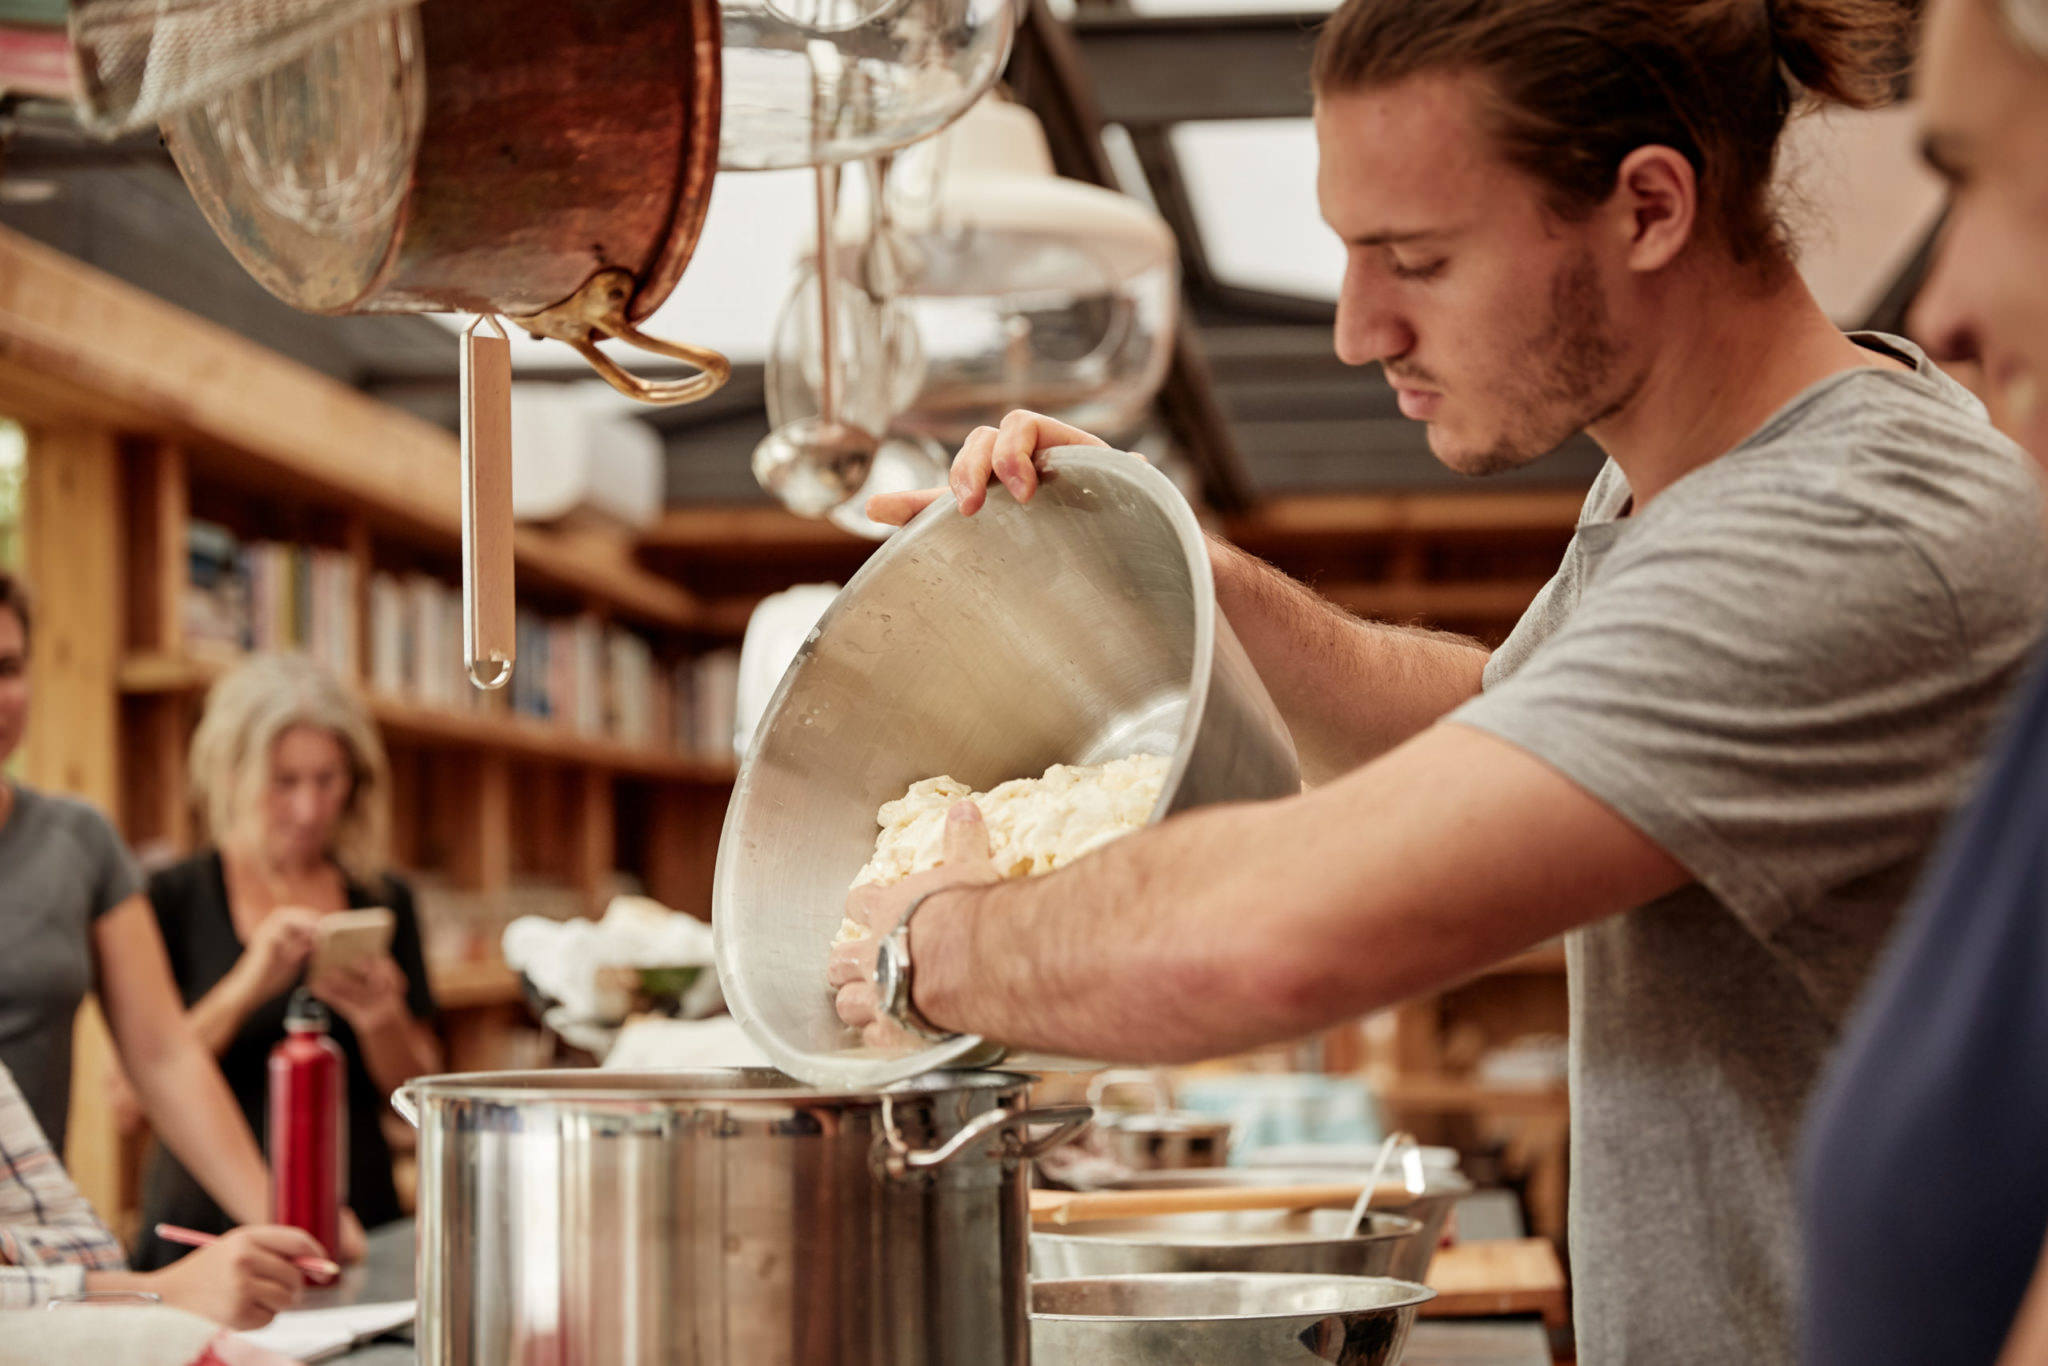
152	435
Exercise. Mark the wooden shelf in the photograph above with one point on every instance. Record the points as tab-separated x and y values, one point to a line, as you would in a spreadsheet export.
1421	1091
473	984
1349	516
523	736
79	346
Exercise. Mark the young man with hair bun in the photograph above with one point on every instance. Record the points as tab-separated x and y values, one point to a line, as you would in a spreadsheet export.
1715	752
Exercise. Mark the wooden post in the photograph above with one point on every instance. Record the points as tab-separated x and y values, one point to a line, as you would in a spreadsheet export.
361	553
596	848
484	860
156	803
159	514
683	824
72	531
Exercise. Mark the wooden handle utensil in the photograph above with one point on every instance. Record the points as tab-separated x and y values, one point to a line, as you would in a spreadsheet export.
1074	1207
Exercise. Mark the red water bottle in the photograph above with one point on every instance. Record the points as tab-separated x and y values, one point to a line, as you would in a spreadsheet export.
308	1125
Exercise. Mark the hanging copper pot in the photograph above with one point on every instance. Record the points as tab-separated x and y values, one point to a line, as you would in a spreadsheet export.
547	160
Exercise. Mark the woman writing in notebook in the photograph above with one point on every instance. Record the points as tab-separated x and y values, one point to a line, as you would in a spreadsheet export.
289	775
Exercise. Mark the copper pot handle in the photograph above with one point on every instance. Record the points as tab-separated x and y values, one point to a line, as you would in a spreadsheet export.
599	310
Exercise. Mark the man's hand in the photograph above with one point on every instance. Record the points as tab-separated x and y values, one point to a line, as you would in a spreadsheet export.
964	863
1010	453
369	995
241	1281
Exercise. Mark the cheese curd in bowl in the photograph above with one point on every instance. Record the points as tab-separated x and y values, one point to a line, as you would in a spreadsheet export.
1034	824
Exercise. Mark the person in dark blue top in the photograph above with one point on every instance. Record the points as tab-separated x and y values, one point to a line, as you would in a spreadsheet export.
1926	1167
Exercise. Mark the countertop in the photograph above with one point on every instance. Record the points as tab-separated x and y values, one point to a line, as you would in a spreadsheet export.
384	1275
387	1274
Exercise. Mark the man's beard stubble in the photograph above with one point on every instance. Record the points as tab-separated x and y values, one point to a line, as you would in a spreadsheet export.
1569	368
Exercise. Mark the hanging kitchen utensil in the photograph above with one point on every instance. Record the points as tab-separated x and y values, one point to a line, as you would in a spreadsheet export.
878	365
1414	1178
140	62
996	285
887	73
547	163
816	463
489	612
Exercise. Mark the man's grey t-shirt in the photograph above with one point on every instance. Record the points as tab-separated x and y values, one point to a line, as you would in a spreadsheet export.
61	868
1783	671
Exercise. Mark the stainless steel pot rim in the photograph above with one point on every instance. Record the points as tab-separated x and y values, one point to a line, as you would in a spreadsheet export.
1367	1291
1076	463
706	1085
1387	1228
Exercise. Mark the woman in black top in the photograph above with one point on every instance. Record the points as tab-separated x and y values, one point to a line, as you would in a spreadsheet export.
290	775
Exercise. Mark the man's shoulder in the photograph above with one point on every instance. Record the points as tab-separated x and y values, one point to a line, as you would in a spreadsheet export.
1910	451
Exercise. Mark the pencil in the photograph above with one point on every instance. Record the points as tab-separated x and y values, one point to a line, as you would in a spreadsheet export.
191	1237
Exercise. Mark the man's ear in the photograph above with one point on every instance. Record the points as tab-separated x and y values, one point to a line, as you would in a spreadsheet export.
1654	207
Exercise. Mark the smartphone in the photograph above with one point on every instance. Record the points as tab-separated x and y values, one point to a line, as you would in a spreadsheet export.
346	938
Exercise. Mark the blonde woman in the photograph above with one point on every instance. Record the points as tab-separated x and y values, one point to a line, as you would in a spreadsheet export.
290	777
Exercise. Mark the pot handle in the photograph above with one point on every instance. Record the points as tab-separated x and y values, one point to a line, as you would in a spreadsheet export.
408	1109
598	310
903	1159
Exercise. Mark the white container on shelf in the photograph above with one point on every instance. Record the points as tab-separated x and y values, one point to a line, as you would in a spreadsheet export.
578	459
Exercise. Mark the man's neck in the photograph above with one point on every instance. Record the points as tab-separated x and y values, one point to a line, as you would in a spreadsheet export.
1712	382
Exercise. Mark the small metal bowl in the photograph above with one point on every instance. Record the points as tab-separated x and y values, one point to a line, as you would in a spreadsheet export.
1289	1242
1193	1320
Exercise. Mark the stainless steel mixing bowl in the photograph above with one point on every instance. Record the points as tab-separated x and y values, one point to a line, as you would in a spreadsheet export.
1222	1320
1297	1242
1431	1209
1080	629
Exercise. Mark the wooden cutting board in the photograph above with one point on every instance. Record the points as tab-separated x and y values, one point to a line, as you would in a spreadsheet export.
1074	1207
1498	1277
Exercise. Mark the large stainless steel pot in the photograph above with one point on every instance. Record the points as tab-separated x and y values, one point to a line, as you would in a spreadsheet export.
1223	1320
1294	1242
725	1216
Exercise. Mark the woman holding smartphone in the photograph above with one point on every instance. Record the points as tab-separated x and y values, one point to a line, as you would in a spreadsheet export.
289	776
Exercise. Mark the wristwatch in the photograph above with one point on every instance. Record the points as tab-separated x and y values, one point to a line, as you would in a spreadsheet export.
893	975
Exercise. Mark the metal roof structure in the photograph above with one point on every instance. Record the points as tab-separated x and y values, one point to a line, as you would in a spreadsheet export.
1257	402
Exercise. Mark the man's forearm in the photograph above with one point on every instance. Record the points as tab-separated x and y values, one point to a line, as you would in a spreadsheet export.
1186	942
1350	690
1237	926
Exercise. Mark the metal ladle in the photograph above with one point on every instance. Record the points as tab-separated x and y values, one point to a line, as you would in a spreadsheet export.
1412	1176
815	464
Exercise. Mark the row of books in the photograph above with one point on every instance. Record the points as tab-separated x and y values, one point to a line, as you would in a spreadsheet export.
266	595
593	677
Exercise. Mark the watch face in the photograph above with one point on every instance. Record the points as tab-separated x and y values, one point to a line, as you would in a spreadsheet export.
889	979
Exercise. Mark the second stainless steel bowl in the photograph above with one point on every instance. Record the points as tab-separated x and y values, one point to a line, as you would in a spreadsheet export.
1298	1242
1223	1320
